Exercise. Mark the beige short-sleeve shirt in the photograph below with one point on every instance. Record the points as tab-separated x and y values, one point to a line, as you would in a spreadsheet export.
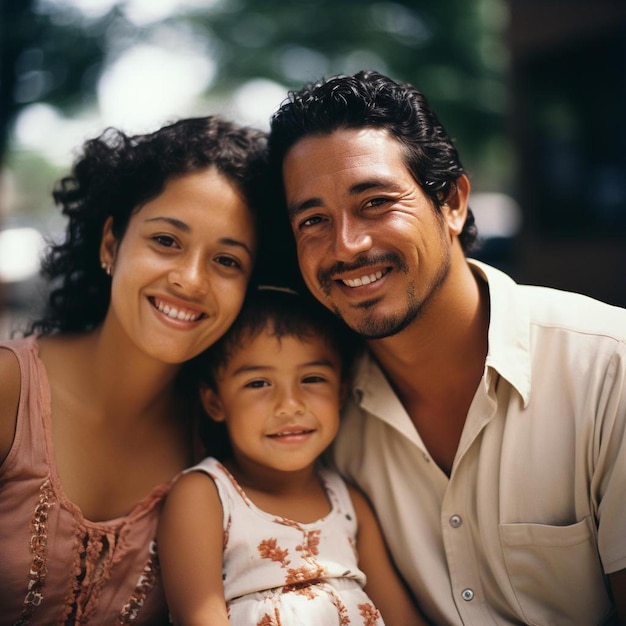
534	512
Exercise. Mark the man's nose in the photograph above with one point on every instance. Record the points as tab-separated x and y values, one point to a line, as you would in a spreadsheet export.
352	237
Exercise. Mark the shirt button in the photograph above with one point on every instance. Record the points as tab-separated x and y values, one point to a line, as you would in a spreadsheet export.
456	521
467	595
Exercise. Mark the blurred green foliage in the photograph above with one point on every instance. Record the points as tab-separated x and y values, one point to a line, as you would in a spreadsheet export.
453	50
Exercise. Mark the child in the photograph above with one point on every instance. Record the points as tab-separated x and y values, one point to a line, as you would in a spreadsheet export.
273	538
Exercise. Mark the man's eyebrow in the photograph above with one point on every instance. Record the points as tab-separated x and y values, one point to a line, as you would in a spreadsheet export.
296	208
371	183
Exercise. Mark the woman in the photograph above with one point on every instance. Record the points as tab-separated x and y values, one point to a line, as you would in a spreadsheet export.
159	250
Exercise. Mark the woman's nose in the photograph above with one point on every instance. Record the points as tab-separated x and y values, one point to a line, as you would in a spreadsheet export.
190	276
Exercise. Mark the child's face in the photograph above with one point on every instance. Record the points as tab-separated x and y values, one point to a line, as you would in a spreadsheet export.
280	400
181	270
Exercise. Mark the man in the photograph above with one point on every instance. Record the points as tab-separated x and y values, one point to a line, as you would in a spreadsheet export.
487	421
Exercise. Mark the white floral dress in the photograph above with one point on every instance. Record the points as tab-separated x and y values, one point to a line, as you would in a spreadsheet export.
278	572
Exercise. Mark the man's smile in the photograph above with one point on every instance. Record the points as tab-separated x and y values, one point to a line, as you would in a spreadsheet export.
363	280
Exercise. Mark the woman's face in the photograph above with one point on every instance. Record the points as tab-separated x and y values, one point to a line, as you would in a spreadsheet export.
180	272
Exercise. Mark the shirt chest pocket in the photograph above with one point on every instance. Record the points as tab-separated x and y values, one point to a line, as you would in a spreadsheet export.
556	573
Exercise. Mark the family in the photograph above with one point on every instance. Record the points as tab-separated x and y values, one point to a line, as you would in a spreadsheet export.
271	387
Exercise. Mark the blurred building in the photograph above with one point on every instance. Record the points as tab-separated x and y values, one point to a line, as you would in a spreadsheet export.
568	95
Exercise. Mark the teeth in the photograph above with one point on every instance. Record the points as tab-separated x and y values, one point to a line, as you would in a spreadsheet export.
292	432
176	314
364	280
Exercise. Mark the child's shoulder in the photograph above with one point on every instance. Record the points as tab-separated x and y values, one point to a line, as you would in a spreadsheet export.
195	480
362	507
208	465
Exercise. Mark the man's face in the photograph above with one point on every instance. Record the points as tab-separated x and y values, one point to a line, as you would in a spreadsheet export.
371	245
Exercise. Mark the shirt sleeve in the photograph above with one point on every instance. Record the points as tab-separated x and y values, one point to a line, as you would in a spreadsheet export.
609	477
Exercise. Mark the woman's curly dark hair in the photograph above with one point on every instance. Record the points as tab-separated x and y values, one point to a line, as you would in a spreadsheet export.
114	175
370	99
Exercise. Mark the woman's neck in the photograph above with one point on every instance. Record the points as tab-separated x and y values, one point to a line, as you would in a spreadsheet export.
116	383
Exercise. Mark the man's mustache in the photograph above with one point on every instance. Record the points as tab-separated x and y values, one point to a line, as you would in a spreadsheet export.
325	275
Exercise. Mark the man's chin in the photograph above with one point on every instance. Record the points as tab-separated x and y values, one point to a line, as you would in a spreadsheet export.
376	327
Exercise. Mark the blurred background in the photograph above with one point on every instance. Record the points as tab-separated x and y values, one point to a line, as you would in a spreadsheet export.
533	91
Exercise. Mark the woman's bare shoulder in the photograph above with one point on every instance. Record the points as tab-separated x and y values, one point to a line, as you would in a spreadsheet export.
9	399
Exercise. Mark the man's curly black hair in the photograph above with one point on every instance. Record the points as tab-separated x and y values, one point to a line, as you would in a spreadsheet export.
114	175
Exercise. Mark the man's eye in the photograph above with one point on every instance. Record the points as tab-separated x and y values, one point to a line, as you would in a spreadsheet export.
310	221
376	202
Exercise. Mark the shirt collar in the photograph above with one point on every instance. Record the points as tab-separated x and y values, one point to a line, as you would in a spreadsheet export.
509	329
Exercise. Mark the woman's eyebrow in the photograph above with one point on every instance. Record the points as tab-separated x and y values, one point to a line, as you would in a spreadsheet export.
172	221
185	228
228	241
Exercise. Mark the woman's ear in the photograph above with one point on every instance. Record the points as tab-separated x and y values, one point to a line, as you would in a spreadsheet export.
454	209
212	404
108	246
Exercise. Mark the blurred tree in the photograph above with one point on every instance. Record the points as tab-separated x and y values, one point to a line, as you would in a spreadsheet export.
46	57
13	14
451	49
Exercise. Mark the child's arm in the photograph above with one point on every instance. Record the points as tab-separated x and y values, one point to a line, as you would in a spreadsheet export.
190	544
384	585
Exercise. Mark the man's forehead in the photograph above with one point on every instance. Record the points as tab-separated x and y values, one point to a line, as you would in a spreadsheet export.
342	151
345	141
347	157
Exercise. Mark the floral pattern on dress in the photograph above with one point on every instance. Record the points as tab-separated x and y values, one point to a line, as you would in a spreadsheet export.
279	572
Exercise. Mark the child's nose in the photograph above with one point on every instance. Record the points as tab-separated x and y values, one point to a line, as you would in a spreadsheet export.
289	403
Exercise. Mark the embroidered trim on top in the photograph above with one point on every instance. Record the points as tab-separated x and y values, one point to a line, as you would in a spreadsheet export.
39	550
145	584
91	570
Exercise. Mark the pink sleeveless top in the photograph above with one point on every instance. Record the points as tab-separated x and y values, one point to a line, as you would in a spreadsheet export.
56	567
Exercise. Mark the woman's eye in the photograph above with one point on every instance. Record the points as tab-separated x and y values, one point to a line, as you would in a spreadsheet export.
228	261
167	241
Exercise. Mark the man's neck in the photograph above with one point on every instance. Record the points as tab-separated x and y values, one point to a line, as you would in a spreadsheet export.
436	363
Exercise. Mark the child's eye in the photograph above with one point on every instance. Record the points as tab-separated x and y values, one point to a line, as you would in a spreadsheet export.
313	379
257	384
